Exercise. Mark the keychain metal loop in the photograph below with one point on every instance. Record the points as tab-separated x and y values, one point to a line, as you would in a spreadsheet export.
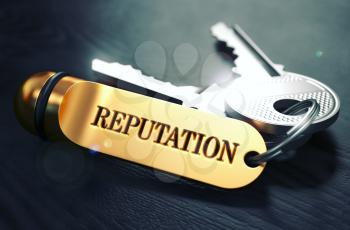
313	109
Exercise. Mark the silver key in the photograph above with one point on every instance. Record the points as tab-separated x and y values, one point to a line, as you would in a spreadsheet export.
263	89
186	94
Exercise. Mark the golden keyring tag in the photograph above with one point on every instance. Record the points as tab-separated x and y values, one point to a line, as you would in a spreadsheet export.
152	132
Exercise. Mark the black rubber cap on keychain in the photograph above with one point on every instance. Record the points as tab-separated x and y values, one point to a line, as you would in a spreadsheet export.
42	101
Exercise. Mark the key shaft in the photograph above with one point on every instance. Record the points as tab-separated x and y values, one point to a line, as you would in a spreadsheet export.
259	54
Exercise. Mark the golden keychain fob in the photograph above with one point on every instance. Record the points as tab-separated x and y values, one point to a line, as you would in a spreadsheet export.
141	129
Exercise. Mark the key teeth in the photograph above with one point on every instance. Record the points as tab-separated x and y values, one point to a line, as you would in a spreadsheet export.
129	74
130	69
220	37
221	26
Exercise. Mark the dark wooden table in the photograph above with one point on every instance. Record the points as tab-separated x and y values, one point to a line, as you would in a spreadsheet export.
58	186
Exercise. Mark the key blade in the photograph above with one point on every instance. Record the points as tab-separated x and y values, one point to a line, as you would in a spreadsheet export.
187	94
251	61
263	57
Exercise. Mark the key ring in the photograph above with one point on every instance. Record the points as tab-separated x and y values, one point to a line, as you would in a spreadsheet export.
313	109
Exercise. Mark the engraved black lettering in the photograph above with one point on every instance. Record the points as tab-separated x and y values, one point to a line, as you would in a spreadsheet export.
174	137
161	133
230	153
216	147
132	121
161	129
116	119
142	127
102	113
199	143
188	134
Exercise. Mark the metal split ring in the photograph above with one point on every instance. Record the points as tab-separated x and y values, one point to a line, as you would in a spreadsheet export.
312	108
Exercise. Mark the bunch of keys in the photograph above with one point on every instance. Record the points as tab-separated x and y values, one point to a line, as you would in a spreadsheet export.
207	136
260	94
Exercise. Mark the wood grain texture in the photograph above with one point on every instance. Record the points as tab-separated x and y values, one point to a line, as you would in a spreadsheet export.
60	186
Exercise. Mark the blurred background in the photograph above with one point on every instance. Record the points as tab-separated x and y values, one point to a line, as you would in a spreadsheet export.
46	185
